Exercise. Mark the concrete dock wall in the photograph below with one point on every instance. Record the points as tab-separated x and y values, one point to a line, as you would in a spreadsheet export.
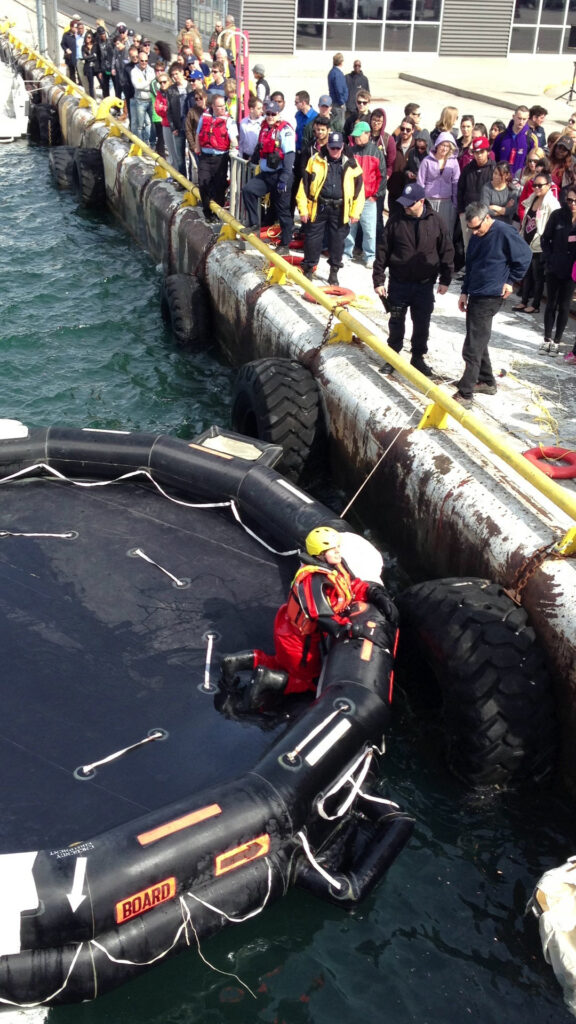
450	506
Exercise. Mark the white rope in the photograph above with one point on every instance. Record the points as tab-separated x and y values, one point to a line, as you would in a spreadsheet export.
144	472
238	920
120	753
383	456
312	735
227	974
356	785
315	864
147	963
48	999
70	535
142	554
236	515
379	800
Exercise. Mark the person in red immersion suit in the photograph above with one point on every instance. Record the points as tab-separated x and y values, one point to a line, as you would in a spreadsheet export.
319	603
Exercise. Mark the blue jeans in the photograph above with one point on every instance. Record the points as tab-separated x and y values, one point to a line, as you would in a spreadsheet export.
368	222
140	110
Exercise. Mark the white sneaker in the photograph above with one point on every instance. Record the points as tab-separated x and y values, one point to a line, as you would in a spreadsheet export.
369	264
545	346
554	348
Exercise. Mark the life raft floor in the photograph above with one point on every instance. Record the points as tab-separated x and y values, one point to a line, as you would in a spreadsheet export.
99	647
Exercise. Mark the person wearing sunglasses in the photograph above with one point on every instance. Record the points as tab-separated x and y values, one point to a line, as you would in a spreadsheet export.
355	80
496	259
400	174
361	113
559	251
539	205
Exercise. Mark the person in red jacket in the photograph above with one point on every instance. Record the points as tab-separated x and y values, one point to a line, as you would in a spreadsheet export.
320	603
373	165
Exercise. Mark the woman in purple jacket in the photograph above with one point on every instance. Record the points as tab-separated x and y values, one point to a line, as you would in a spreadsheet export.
438	176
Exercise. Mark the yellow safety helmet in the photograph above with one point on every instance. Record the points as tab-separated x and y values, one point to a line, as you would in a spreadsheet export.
322	539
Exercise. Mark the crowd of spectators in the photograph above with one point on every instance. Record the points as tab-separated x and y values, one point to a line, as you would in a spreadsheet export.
339	163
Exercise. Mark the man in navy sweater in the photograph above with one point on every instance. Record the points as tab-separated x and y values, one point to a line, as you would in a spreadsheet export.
496	258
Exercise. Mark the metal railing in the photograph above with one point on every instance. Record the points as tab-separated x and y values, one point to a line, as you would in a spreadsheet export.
440	405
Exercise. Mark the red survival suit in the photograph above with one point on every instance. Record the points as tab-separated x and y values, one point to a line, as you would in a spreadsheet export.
318	592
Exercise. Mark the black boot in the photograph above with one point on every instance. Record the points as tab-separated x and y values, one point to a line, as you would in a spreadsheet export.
333	276
266	679
233	663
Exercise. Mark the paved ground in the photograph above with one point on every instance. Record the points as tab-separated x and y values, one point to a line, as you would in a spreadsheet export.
536	400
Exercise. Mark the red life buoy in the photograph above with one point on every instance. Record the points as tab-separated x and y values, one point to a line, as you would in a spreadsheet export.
294	258
297	243
344	295
271	233
562	470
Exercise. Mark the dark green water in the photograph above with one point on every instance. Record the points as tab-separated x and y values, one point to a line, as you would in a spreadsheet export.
443	940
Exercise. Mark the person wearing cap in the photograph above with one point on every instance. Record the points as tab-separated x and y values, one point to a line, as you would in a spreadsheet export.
373	166
338	90
330	198
416	249
496	258
262	87
474	177
514	144
355	80
324	110
275	154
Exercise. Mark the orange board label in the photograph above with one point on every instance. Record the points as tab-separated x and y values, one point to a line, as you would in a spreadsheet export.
149	898
242	854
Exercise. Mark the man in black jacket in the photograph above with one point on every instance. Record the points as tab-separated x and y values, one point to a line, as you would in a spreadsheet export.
68	44
475	175
417	249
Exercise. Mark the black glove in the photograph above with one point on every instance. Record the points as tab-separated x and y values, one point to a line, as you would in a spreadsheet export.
378	596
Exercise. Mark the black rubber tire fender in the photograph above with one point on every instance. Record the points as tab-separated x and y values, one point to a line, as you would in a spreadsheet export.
497	699
44	124
186	308
61	161
278	400
88	177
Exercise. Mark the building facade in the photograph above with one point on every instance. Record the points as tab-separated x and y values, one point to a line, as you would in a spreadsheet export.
446	27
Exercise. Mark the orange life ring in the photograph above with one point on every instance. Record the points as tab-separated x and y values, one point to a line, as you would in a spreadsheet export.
558	471
272	232
344	295
294	258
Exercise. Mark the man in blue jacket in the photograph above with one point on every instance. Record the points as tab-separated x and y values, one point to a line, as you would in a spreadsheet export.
496	258
338	90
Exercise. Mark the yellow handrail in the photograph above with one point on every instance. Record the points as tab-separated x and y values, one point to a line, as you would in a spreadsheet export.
440	404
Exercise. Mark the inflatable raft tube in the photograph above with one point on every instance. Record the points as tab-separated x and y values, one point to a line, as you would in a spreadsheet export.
135	812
